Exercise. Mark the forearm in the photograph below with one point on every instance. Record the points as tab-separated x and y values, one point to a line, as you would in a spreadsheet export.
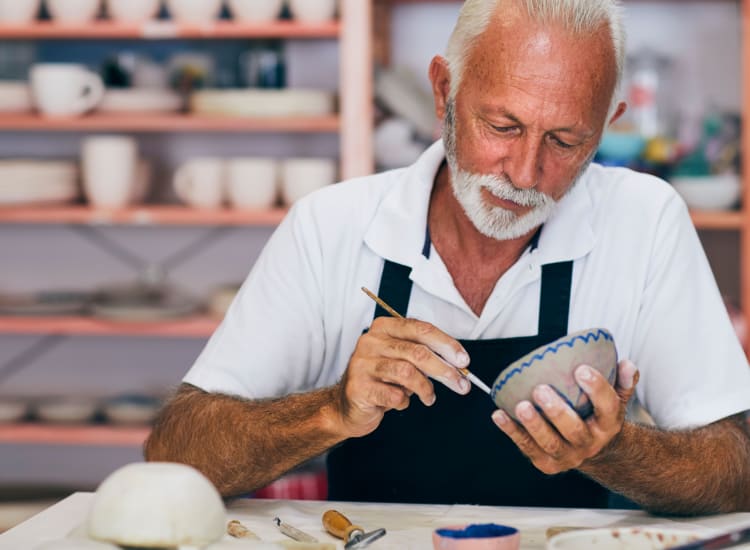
700	471
243	445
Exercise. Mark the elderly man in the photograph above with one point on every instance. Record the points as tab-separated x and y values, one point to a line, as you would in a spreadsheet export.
505	237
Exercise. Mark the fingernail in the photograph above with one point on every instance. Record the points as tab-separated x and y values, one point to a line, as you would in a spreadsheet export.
545	395
584	373
462	359
525	410
464	385
627	374
432	400
500	417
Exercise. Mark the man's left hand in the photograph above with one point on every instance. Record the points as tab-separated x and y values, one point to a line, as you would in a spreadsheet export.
560	440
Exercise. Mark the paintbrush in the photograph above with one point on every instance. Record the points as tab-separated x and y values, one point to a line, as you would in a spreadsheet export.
466	372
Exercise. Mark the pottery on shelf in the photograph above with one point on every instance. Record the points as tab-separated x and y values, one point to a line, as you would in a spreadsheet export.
554	364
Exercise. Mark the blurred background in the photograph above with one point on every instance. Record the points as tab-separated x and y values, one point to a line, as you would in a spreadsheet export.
148	149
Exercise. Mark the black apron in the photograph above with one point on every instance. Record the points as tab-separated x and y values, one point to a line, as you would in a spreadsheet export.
452	452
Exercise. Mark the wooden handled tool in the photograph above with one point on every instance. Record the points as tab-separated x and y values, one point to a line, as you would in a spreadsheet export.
353	536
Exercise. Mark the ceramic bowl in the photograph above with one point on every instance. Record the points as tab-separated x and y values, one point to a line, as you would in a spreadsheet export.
554	364
12	409
131	409
632	538
66	410
485	536
719	192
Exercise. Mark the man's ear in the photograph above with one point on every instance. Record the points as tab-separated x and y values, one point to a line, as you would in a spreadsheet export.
440	77
621	108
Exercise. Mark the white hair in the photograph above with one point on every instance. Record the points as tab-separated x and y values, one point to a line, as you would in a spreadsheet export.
578	16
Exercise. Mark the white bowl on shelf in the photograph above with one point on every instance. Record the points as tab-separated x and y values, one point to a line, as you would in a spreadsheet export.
313	11
194	11
255	10
257	102
15	97
133	11
139	100
66	410
18	11
12	409
717	192
73	11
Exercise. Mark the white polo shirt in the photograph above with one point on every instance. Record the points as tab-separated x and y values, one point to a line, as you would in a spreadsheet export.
639	270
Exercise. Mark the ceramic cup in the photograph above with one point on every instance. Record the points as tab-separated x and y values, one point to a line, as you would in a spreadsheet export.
301	176
110	170
135	11
255	10
200	182
194	11
485	536
65	89
73	11
18	11
313	10
252	182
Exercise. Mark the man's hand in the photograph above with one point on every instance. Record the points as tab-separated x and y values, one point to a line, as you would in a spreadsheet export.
393	361
563	441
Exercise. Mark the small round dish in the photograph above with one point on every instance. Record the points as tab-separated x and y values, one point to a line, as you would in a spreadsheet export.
554	364
66	410
480	536
12	409
621	538
131	409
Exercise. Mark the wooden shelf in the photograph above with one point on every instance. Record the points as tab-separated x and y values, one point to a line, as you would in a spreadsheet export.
165	123
46	434
718	220
190	327
141	216
164	30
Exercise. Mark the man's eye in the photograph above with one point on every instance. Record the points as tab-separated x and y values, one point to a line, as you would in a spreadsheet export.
504	129
560	143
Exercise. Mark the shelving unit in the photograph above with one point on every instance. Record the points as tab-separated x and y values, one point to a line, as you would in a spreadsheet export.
189	327
48	434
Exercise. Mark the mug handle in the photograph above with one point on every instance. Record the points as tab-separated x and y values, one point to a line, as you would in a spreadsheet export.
183	183
93	92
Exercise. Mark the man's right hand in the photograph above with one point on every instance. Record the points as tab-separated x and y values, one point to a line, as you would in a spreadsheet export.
393	361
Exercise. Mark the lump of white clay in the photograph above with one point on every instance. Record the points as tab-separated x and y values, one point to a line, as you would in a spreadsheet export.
157	505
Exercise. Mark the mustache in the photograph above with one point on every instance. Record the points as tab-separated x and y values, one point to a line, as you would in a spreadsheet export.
502	188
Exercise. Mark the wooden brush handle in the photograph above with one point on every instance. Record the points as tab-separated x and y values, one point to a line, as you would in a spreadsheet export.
339	525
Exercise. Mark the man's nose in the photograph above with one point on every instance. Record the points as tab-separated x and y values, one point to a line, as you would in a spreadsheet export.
524	165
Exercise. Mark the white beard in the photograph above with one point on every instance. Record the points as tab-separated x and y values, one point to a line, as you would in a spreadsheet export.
490	220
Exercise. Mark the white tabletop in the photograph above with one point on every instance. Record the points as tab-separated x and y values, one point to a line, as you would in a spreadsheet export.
408	526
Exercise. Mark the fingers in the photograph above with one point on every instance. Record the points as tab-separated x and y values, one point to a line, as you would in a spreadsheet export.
627	379
428	349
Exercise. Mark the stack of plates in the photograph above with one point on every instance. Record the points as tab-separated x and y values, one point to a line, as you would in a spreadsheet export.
34	182
140	100
44	303
15	97
263	102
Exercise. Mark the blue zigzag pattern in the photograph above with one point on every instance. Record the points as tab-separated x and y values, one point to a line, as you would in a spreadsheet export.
551	349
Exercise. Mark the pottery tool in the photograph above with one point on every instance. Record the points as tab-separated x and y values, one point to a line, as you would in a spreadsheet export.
353	536
293	532
466	372
239	531
725	540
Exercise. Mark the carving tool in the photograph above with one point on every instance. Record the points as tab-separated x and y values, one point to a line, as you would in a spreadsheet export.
239	531
354	536
293	532
466	372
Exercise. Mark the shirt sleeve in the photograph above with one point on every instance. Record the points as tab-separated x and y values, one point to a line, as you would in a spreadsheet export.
693	369
271	340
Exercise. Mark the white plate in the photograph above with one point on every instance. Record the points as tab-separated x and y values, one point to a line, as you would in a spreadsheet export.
44	303
256	102
141	304
139	100
622	538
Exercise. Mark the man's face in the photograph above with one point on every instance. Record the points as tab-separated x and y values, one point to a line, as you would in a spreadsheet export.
528	117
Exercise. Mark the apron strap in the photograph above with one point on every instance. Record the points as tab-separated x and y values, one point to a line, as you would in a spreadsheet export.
395	288
554	305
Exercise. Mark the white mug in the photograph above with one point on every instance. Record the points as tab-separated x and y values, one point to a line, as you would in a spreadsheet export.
194	11
110	170
65	89
255	10
301	176
133	11
73	11
313	10
252	182
200	182
18	11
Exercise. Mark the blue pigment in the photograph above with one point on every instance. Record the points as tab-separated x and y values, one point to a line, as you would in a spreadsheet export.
478	531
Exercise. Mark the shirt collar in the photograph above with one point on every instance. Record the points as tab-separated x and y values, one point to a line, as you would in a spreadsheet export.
397	230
